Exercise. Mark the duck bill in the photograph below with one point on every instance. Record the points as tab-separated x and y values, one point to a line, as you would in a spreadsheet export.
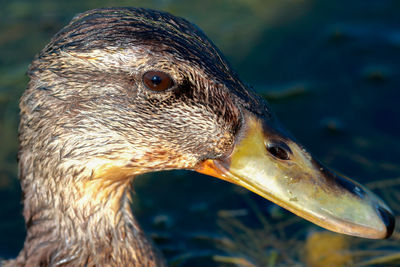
299	183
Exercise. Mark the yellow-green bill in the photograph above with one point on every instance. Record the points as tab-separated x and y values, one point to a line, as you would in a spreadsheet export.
266	161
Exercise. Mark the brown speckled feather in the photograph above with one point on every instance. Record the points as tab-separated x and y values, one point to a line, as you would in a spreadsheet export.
88	126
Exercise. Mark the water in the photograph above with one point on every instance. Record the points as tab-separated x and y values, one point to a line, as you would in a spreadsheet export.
330	70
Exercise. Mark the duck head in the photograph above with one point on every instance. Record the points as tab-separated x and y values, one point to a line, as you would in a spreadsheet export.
120	92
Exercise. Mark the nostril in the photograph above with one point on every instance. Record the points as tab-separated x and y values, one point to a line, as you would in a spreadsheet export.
279	150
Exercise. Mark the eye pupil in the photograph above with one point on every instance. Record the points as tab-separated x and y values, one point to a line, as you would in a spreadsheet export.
157	81
279	151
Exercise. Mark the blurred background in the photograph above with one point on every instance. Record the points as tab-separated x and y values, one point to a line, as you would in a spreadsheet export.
331	72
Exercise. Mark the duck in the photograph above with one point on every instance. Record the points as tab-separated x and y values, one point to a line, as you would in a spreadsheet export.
120	92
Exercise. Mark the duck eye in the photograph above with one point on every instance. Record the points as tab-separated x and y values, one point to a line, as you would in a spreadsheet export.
157	81
279	150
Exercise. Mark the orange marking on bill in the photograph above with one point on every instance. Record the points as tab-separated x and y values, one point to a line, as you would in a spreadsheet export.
208	167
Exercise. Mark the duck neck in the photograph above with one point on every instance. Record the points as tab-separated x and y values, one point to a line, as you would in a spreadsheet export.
87	223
